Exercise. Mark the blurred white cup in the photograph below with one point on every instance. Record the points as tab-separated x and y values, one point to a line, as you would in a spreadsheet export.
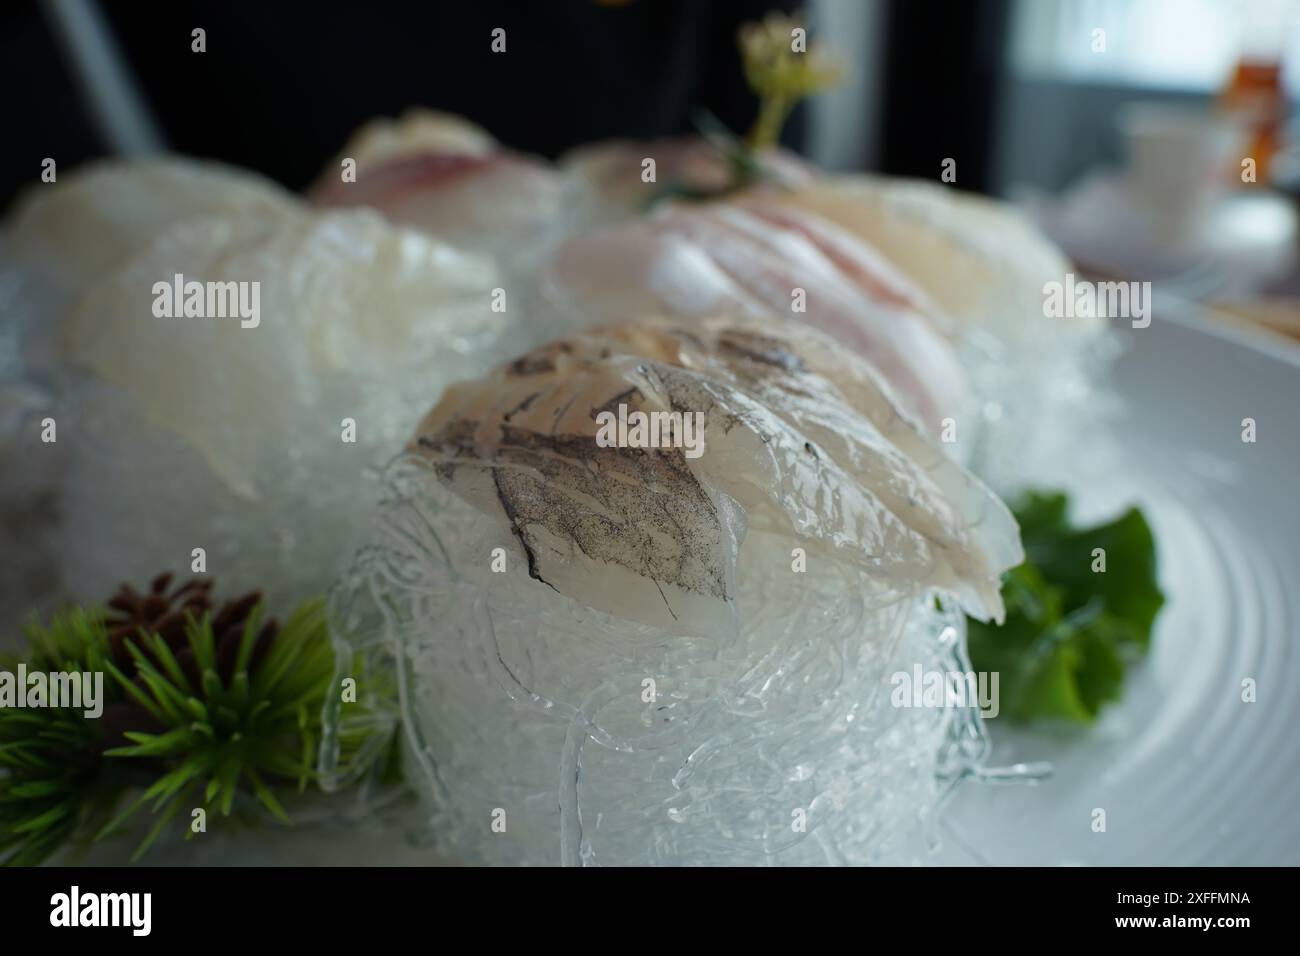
1180	162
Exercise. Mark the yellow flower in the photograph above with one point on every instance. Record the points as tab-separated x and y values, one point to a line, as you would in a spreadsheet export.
782	69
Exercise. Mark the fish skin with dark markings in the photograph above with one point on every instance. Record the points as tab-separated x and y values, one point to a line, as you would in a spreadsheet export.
804	439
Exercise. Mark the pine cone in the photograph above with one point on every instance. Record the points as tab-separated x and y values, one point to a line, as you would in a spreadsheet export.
154	612
228	629
165	614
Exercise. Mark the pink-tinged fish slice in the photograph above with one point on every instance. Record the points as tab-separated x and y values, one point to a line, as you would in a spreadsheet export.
643	267
861	304
864	264
481	202
446	178
697	260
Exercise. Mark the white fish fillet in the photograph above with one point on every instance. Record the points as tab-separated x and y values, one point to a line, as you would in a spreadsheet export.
184	432
417	132
447	178
346	302
751	257
94	220
982	261
1036	376
801	438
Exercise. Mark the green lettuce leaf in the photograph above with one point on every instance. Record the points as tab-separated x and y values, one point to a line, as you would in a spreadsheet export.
1070	632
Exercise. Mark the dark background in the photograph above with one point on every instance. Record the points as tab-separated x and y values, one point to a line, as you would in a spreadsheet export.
283	84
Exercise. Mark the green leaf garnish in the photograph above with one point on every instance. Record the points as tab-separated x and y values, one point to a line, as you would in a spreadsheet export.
1070	632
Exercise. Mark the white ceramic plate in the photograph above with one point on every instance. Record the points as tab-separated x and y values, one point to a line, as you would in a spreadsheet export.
1185	770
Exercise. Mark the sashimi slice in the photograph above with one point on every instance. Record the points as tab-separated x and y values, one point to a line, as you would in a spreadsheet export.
699	260
446	178
981	260
801	439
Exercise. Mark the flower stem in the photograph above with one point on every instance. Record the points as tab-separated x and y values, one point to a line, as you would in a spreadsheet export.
772	113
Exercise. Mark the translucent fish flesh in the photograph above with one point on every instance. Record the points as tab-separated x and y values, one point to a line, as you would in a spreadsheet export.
764	259
446	178
200	431
800	438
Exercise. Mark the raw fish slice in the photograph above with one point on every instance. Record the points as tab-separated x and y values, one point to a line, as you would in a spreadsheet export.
254	444
700	260
643	267
857	259
800	438
988	267
480	203
346	302
982	261
419	132
446	178
96	218
784	373
855	296
61	239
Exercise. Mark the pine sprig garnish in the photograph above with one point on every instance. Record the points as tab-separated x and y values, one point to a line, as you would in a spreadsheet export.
50	779
196	714
42	794
246	727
